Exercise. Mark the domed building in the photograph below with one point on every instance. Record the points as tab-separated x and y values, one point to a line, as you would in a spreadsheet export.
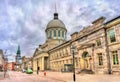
55	35
56	31
93	48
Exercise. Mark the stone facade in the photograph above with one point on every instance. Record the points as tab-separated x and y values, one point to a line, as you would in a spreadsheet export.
114	45
97	49
10	66
27	63
1	60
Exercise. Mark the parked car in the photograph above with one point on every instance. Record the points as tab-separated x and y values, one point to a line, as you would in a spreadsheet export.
23	70
29	71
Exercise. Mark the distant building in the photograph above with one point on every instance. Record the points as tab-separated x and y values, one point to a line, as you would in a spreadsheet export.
11	66
97	47
18	59
18	56
27	63
1	59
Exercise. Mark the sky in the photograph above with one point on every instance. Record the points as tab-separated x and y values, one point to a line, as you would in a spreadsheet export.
23	22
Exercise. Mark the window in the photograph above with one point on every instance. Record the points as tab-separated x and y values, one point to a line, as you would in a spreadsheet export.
112	35
66	51
63	52
54	33
51	57
57	55
60	53
100	59
47	34
62	33
50	34
98	42
59	33
54	56
115	58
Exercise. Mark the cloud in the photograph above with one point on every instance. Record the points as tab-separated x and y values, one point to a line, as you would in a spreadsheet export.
24	22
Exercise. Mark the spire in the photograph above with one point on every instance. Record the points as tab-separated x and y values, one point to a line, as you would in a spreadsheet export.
18	51
55	8
55	14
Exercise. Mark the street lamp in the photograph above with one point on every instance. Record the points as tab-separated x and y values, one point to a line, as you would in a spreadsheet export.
73	53
5	63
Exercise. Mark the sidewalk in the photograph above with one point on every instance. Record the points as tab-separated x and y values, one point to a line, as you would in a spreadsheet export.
68	77
56	75
2	75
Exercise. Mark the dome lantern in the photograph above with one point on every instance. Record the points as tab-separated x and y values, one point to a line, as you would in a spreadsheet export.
55	15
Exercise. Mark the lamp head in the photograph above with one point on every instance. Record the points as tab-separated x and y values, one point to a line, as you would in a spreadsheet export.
72	47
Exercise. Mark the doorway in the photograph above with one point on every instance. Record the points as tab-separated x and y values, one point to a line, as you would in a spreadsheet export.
86	61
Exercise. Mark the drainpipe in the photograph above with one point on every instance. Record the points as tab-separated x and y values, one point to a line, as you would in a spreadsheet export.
93	69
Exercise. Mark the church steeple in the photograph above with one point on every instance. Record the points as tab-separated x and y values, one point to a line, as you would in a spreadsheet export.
18	58
18	51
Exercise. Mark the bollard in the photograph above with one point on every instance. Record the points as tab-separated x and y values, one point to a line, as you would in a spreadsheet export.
44	73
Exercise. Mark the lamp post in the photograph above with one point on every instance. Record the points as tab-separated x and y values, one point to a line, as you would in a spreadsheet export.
5	63
73	53
5	66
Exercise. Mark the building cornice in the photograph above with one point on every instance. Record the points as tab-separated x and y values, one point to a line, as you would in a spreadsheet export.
112	23
59	46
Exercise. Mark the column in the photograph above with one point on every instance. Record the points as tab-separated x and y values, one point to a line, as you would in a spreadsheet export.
42	67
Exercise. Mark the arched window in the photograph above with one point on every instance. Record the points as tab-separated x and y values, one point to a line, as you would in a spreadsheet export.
58	33
54	33
50	34
62	33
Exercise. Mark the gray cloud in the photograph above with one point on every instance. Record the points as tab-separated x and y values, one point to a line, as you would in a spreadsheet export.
23	22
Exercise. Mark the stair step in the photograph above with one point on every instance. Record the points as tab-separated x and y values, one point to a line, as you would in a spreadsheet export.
86	72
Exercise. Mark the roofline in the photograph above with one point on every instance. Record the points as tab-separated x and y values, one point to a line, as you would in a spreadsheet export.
112	19
74	33
59	45
102	17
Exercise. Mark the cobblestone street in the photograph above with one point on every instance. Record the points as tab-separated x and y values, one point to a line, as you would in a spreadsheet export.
2	75
58	77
